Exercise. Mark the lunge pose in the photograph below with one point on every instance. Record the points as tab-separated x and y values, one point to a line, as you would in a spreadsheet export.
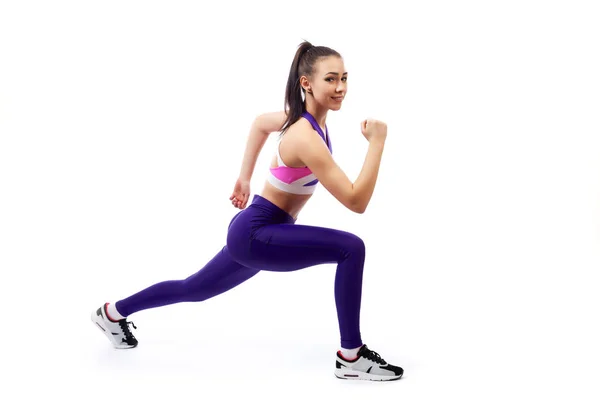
264	235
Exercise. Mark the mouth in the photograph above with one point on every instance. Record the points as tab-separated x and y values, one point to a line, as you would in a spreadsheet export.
339	99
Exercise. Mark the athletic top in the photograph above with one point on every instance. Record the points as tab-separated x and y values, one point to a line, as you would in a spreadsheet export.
297	180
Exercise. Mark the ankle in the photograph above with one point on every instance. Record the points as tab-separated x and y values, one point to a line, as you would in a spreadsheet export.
112	313
350	354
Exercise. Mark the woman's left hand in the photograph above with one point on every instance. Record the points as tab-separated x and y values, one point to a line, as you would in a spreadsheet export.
241	193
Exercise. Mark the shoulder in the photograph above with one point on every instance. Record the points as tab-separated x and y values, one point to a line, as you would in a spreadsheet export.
301	131
303	138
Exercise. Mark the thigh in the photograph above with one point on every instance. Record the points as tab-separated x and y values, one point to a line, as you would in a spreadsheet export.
220	274
288	247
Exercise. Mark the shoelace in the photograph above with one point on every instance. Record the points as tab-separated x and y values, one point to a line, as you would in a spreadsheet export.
125	328
373	356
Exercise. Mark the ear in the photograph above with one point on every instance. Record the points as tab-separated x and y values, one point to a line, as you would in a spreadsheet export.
305	84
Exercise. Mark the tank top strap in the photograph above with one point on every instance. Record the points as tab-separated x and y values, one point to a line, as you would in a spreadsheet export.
317	128
280	162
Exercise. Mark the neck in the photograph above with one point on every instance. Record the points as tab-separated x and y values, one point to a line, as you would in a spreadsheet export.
319	113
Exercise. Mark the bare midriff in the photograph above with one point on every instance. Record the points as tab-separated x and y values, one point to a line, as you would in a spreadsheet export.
289	202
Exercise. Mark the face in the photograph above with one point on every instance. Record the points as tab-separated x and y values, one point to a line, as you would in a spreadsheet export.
328	83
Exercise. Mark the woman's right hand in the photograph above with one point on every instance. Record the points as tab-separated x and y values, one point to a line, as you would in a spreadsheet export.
241	193
373	129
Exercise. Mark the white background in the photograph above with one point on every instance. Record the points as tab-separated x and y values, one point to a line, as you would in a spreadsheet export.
122	129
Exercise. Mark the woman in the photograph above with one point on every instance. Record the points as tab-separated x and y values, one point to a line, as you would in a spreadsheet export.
265	236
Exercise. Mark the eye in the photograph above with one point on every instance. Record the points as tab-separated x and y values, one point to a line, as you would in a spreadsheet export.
344	79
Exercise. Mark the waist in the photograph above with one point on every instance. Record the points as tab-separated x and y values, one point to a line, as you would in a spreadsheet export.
265	204
290	203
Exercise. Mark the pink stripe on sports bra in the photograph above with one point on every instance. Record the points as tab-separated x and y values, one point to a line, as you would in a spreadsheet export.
288	174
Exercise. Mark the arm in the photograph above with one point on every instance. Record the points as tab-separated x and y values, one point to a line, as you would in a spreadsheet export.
355	196
365	183
260	130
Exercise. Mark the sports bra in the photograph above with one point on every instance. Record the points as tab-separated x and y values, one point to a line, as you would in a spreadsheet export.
297	180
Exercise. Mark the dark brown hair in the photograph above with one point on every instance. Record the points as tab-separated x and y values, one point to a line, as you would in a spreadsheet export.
303	64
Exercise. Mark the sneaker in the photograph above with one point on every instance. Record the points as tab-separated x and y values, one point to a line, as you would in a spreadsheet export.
367	366
117	331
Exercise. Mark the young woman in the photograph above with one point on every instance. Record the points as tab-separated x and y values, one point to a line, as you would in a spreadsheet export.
265	237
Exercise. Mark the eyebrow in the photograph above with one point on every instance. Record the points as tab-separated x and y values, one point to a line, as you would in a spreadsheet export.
335	73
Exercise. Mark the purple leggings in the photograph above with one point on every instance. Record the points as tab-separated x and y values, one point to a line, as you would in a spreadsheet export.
265	237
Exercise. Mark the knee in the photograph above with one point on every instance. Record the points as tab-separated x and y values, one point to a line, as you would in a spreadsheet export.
355	246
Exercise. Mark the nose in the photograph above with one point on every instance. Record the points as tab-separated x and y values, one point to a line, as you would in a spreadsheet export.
341	86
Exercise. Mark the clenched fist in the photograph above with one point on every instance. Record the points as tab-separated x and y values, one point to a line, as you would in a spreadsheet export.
373	129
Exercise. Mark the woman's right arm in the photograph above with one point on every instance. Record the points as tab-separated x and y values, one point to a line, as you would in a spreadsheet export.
355	196
261	128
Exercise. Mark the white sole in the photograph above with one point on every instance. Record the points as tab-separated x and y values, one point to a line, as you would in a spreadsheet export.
99	323
347	373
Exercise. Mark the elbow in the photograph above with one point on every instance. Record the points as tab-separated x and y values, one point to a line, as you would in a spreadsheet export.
355	204
258	124
261	124
358	208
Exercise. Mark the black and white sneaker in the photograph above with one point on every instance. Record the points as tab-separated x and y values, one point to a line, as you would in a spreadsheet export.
116	331
368	366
